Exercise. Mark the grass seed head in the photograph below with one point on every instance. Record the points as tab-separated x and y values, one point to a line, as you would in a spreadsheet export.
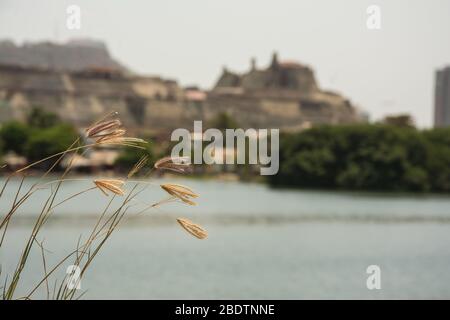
194	229
181	192
113	186
176	164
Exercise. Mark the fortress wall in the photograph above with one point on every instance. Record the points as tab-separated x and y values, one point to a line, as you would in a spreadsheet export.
150	88
245	110
157	105
256	113
82	99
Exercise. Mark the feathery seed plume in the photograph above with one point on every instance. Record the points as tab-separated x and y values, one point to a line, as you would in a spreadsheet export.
181	192
177	164
114	186
192	228
138	166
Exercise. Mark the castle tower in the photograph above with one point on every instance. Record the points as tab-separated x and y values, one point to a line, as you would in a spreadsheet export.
274	63
253	64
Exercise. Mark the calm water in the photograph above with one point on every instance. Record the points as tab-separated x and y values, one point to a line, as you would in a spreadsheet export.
262	243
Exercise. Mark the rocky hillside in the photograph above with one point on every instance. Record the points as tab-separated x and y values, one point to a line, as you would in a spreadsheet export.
74	55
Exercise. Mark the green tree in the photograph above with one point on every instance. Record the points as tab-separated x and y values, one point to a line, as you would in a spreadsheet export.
366	157
49	141
438	162
1	148
39	118
14	136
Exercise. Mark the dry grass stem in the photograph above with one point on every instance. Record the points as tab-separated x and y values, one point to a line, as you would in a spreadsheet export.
123	141
138	166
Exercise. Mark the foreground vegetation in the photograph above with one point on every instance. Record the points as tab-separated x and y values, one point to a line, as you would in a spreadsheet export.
366	157
49	136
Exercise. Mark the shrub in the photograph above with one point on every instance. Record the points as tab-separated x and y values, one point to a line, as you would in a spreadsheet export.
14	136
39	118
46	142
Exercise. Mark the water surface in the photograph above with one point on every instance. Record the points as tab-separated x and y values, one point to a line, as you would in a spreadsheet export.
262	244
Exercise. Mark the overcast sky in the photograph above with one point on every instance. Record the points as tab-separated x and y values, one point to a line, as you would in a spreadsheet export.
383	71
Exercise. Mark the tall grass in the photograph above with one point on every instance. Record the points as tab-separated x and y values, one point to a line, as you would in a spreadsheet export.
106	131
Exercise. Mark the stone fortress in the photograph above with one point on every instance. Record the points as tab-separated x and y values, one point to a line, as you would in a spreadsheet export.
285	95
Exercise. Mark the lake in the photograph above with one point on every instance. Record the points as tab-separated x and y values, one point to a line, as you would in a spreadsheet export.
262	244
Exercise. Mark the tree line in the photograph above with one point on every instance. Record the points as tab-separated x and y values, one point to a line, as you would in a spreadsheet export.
44	134
41	135
380	157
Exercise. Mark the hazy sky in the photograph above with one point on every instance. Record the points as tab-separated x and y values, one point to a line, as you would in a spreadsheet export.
384	71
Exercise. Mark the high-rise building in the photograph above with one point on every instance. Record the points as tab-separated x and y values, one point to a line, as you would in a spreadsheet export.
442	98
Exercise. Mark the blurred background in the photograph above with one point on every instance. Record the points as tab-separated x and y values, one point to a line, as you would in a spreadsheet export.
364	120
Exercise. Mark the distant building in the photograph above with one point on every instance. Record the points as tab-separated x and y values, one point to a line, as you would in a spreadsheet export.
442	98
284	94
